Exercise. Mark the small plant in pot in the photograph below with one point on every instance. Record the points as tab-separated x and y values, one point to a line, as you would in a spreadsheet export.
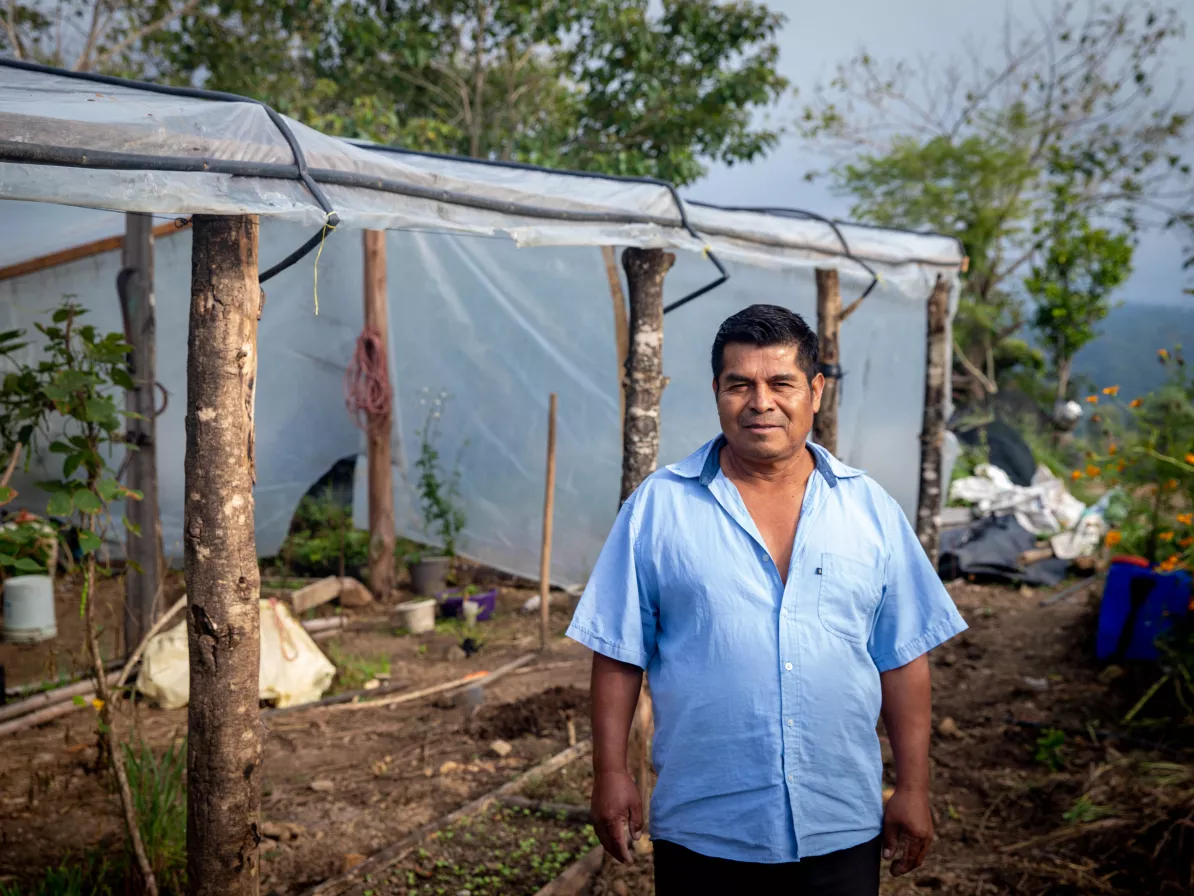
439	501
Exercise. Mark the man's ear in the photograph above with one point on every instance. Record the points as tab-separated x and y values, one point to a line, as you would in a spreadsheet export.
818	384
715	391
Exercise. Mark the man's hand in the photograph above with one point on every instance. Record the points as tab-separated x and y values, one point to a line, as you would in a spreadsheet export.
907	830
617	813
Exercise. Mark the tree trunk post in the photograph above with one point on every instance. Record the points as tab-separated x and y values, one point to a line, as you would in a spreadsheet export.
643	389
932	435
143	537
549	498
644	382
381	470
829	324
224	740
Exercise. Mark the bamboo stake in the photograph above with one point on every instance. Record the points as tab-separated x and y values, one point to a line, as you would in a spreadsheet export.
153	630
50	698
549	498
466	681
379	861
576	876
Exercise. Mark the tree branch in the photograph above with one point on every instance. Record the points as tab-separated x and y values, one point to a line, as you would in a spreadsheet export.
10	26
143	33
974	371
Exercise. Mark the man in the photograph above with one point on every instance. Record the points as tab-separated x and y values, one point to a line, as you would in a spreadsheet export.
780	603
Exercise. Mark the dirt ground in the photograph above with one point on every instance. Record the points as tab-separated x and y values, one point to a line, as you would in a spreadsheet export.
342	783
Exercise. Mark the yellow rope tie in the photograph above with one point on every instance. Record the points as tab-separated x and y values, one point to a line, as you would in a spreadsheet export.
327	228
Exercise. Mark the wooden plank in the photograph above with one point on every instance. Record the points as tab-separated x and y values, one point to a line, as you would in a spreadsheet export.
576	876
142	578
84	250
381	472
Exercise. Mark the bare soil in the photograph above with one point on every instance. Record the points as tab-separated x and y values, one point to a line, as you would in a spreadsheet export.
1017	810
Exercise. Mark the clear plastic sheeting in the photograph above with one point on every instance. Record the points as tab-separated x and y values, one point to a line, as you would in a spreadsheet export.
131	149
499	329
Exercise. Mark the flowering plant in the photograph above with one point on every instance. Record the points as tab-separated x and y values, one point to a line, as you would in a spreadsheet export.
439	490
1151	461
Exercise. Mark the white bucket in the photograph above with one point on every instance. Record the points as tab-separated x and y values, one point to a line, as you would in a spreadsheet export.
416	616
29	610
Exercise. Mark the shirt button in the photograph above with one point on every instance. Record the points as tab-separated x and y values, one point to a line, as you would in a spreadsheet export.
791	778
791	722
788	666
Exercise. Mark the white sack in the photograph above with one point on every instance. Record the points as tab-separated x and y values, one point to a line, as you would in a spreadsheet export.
293	670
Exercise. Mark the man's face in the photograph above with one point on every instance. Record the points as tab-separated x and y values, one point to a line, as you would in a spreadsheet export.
765	401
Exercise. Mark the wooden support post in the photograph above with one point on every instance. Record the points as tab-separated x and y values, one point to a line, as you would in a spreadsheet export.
381	471
549	500
621	325
645	382
829	322
143	538
224	739
932	435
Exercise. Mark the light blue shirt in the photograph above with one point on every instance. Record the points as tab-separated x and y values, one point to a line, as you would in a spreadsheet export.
766	697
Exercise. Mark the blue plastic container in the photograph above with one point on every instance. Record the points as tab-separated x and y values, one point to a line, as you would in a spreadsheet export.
1138	606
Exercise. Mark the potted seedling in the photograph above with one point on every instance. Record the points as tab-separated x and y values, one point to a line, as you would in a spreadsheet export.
439	501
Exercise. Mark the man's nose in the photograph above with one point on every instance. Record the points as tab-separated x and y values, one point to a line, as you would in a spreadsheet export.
761	399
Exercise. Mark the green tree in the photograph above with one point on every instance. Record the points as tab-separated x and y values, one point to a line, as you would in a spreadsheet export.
1071	284
978	149
615	86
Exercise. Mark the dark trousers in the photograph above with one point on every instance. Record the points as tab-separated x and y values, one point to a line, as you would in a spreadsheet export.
850	872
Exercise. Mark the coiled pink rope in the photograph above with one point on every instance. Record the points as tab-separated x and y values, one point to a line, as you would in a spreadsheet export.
367	391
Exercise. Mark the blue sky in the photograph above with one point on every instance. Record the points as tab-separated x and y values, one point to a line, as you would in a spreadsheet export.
818	35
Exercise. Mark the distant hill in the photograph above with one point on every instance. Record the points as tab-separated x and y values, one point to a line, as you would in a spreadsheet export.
1125	353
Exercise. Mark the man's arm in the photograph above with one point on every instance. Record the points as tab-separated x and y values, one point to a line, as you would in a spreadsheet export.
908	718
616	809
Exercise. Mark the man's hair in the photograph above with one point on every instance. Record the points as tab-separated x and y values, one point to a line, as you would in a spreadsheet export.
764	326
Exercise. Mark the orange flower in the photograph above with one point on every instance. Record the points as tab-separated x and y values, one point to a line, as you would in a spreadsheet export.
1190	458
1186	542
1121	466
1135	402
1113	449
1186	519
1092	399
1111	390
1092	471
1163	354
1165	536
1076	475
1113	538
1171	484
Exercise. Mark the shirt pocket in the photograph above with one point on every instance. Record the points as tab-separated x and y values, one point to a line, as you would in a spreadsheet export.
849	593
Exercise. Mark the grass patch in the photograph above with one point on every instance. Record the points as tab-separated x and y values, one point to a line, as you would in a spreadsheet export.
502	852
354	670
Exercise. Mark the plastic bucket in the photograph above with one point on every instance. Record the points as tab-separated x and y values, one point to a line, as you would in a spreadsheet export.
416	616
430	575
29	610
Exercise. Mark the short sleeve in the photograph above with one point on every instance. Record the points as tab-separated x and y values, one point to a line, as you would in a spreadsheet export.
916	613
618	612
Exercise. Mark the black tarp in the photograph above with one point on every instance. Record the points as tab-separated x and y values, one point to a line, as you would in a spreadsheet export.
1006	449
991	548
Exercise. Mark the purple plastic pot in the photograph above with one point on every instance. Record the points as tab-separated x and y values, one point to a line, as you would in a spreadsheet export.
451	603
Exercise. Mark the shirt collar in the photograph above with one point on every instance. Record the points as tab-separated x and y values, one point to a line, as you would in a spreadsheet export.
705	463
